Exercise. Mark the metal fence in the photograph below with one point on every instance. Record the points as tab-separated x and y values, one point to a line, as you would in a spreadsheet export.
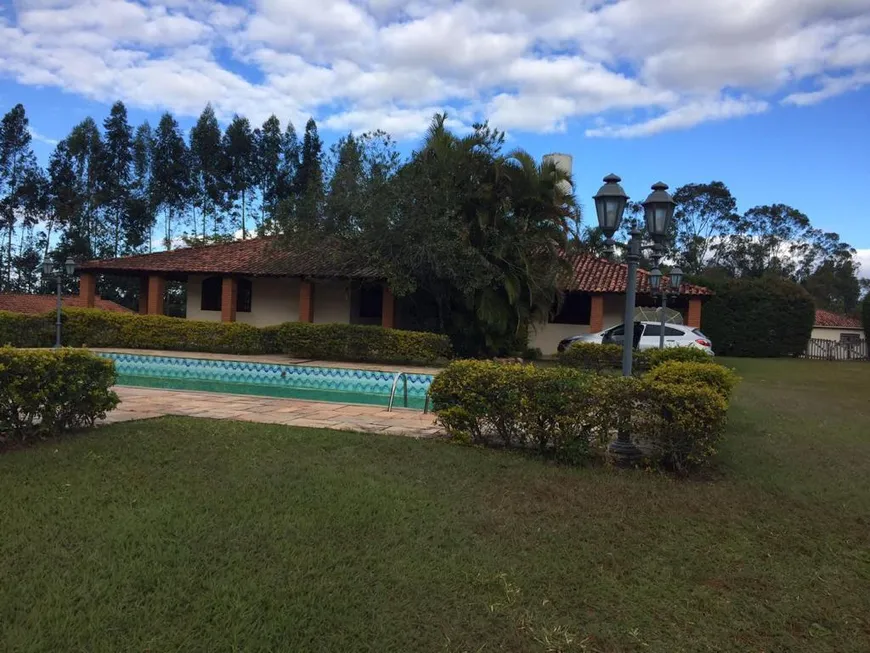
831	350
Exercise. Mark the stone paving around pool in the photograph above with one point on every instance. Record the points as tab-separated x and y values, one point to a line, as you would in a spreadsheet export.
144	403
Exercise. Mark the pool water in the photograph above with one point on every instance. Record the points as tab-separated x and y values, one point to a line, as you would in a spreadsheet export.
345	385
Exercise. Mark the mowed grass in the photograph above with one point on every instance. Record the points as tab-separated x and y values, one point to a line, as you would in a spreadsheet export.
195	535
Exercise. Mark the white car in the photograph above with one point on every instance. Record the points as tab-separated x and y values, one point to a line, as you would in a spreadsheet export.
676	335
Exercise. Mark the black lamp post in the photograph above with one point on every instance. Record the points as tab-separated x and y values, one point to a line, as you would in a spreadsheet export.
610	201
655	282
48	269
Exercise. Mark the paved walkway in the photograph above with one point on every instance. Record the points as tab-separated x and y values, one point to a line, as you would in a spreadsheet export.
143	403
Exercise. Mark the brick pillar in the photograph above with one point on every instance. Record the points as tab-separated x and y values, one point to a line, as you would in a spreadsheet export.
88	288
156	292
143	295
229	293
693	319
596	317
388	310
306	301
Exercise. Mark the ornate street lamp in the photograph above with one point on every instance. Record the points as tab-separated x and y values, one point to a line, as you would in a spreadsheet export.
610	202
49	268
655	282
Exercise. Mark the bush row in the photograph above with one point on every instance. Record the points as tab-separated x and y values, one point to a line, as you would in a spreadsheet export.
46	392
767	317
676	414
598	358
351	342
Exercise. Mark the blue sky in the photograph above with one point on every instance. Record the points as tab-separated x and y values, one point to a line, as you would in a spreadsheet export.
769	96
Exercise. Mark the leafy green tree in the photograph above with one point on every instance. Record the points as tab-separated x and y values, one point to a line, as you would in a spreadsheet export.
704	213
289	166
208	169
308	185
269	148
240	159
118	170
141	215
467	235
766	240
87	149
170	178
20	181
834	286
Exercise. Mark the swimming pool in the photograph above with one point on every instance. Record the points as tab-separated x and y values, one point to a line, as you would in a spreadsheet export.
337	384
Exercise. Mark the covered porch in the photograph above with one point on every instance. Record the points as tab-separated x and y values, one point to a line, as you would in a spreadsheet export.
254	282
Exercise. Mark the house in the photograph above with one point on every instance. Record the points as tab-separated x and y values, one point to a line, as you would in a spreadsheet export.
21	303
839	328
254	282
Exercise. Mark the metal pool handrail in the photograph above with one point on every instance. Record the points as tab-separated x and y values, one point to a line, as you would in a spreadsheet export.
398	376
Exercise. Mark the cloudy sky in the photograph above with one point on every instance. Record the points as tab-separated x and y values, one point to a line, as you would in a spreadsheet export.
770	96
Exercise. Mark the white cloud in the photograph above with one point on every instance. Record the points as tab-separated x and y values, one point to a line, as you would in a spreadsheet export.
830	87
682	117
525	64
35	135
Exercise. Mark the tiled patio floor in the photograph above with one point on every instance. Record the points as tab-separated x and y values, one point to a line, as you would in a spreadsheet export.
143	403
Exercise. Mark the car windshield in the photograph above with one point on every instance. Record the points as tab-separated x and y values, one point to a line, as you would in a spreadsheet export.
698	333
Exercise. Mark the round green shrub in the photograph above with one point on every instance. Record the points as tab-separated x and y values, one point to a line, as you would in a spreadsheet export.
711	375
759	318
592	356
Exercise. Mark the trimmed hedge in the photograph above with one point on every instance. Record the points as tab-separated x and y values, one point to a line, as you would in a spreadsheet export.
572	415
592	356
598	358
351	342
718	377
356	342
46	392
759	318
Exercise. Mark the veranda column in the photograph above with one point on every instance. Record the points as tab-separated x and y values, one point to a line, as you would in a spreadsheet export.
156	291
306	301
88	288
596	317
388	310
143	295
693	319
229	294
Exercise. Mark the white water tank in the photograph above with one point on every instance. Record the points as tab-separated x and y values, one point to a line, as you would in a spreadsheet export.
564	162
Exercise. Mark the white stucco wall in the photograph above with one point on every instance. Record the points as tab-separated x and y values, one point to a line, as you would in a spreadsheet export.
831	333
546	337
194	301
273	301
332	302
614	310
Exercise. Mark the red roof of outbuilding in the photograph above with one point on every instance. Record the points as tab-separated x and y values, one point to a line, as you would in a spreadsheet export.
597	275
258	257
252	257
20	303
836	320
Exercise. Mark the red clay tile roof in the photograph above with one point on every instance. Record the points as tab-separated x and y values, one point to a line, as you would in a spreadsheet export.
253	257
597	275
257	257
45	303
828	319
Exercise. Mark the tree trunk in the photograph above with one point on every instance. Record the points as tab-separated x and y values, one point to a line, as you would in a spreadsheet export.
243	214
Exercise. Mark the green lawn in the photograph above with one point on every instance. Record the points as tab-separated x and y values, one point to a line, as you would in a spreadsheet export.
193	535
